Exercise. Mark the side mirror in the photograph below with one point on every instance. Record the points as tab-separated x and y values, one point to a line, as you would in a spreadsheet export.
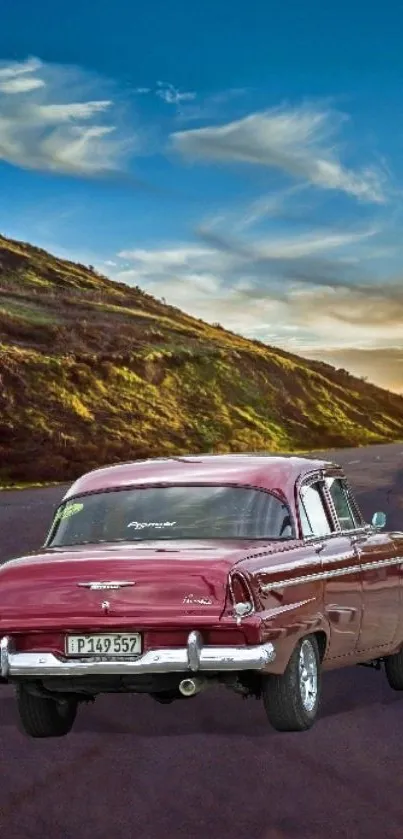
378	520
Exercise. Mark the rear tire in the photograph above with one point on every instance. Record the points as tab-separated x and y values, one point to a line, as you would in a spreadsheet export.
291	700
394	670
43	717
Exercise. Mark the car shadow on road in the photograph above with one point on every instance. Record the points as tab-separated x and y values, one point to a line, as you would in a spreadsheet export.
247	722
216	712
354	689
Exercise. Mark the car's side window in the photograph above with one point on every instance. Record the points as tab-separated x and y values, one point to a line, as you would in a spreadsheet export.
344	512
313	515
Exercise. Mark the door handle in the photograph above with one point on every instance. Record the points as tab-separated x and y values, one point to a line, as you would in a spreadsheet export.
319	547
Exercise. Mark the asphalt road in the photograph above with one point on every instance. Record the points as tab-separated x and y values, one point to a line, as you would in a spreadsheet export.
211	766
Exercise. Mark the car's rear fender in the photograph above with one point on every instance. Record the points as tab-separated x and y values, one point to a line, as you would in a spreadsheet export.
286	638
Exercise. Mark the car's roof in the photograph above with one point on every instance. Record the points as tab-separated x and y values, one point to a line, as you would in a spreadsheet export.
269	471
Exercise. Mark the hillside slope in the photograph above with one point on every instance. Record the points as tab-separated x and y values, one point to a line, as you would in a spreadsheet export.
92	371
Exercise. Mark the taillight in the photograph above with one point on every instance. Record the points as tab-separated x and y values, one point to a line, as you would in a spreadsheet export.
241	596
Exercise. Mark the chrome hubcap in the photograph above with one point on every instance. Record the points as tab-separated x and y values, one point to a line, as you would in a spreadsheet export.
308	675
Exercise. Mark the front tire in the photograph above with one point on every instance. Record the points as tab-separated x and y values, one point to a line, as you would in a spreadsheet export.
394	670
43	717
291	700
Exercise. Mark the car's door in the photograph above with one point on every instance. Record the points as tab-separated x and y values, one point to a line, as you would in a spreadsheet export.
379	570
342	588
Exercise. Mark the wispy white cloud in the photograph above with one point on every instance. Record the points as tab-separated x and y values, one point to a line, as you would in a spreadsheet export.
21	84
297	141
168	93
189	106
48	121
272	205
15	68
20	77
70	111
244	284
286	249
171	95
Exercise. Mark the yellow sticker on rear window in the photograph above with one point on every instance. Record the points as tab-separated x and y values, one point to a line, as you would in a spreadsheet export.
69	510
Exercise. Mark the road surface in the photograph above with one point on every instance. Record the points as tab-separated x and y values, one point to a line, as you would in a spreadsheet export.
211	767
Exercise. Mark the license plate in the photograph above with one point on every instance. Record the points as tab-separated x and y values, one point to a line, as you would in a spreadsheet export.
113	645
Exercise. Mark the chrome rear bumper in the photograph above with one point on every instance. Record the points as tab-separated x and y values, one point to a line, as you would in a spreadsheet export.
194	657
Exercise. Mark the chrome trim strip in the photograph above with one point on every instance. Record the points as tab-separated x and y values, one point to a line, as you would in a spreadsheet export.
110	584
310	578
269	568
380	563
42	665
328	575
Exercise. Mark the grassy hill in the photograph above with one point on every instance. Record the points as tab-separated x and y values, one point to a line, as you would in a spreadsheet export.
92	371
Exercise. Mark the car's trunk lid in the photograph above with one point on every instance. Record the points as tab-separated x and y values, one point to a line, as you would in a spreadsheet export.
124	583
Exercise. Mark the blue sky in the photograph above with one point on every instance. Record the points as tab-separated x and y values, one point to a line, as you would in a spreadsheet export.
242	161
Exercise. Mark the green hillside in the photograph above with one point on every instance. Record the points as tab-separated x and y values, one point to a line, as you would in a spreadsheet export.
92	371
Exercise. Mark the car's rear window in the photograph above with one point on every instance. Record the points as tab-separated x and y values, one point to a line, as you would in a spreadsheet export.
175	512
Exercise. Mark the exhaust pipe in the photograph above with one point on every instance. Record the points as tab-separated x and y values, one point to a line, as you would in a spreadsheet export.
189	687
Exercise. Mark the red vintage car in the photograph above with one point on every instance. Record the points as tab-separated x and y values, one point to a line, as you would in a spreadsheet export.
167	576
